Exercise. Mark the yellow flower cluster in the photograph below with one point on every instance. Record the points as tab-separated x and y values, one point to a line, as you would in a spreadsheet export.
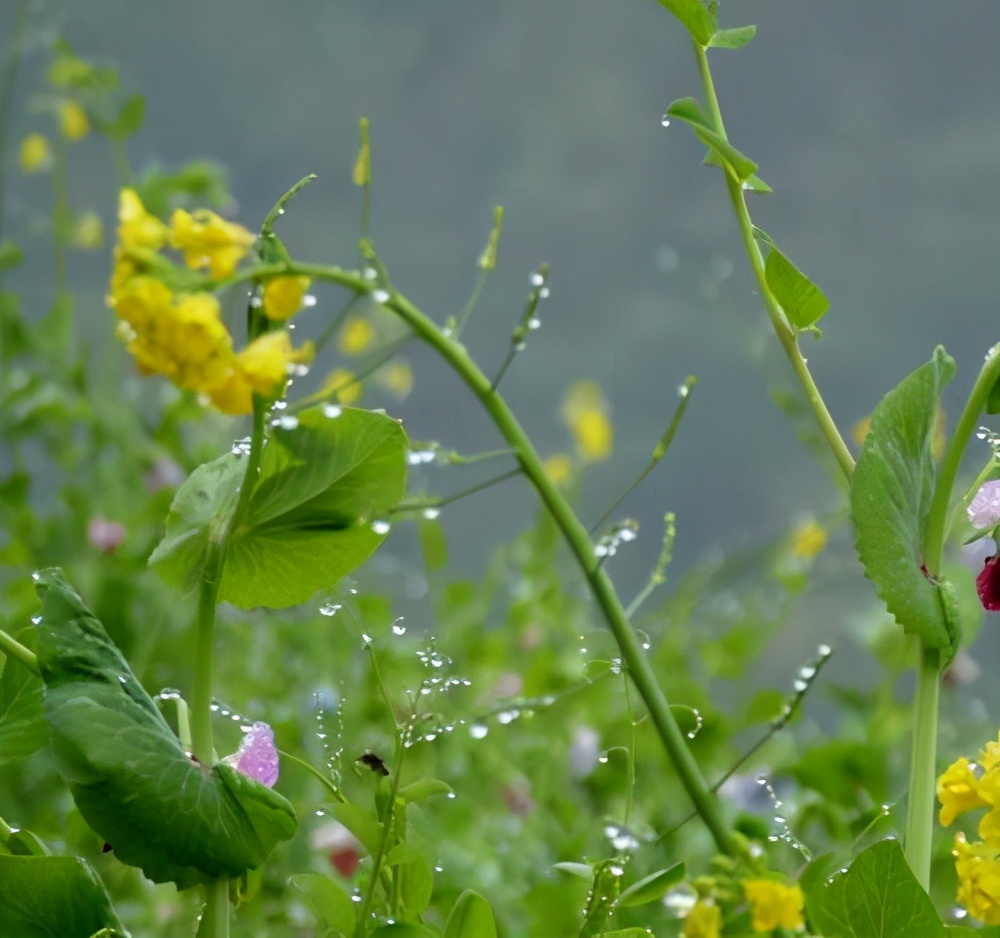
585	411
774	905
182	335
962	787
808	539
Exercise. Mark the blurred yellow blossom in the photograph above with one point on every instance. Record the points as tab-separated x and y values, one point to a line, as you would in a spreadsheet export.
703	921
355	336
808	539
137	228
396	377
978	868
773	904
958	791
989	756
35	154
860	430
989	829
341	383
88	231
585	411
283	297
559	468
73	121
206	240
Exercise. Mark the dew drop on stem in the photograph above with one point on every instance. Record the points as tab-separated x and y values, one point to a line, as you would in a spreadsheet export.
665	120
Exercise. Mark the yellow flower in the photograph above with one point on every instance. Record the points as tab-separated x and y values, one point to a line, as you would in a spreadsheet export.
989	828
88	232
585	411
559	468
73	121
206	240
355	336
808	539
978	868
773	904
989	755
341	384
264	362
957	790
703	921
283	297
396	377
860	430
137	228
35	154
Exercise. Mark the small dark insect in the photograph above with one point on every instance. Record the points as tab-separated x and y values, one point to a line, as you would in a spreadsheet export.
373	762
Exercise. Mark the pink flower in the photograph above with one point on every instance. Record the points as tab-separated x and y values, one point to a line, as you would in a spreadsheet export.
988	584
984	509
257	757
340	845
105	535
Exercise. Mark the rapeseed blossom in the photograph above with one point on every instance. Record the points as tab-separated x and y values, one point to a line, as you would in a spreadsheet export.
773	904
73	121
808	539
35	155
585	411
283	297
703	921
962	787
355	336
181	335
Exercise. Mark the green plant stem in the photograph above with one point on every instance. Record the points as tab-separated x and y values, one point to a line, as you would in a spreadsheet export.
62	215
11	647
201	695
215	914
786	335
923	757
573	531
119	156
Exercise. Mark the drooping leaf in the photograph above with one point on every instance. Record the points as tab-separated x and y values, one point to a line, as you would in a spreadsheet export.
697	18
470	917
129	119
803	302
878	897
740	166
332	906
424	788
317	512
131	780
734	38
583	870
416	883
651	887
891	492
54	897
10	255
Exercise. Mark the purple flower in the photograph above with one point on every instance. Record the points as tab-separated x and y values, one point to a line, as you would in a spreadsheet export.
105	535
988	584
984	509
257	757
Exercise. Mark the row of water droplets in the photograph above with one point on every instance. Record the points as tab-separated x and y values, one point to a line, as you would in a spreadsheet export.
622	532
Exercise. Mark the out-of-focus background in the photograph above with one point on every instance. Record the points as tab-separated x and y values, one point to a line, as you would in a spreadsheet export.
877	126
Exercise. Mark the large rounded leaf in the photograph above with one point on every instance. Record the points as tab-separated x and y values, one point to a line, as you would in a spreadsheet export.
131	780
317	511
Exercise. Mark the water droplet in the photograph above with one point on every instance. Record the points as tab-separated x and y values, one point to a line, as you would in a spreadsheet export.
256	302
534	323
621	838
665	120
281	211
366	640
800	686
398	628
431	513
286	422
370	273
279	405
332	411
380	296
36	620
505	717
537	279
543	293
478	730
807	672
381	527
329	609
761	780
824	651
308	300
241	447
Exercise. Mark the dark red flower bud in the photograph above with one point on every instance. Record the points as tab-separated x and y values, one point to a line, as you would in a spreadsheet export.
988	584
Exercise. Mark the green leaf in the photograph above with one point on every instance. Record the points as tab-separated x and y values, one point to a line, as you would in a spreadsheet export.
416	883
361	824
22	722
993	398
424	788
740	166
651	887
403	930
316	513
891	493
129	119
470	917
803	302
15	334
332	906
878	897
583	870
697	19
53	897
24	843
10	255
634	932
734	38
131	780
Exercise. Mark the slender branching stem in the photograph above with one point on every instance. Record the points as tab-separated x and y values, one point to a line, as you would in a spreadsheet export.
11	647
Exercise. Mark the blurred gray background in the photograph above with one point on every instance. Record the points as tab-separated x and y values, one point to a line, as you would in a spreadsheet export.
878	125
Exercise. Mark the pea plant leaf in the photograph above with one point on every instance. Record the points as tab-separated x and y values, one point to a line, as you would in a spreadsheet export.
328	480
734	38
22	727
725	154
54	897
131	780
891	492
803	302
470	917
878	897
697	18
